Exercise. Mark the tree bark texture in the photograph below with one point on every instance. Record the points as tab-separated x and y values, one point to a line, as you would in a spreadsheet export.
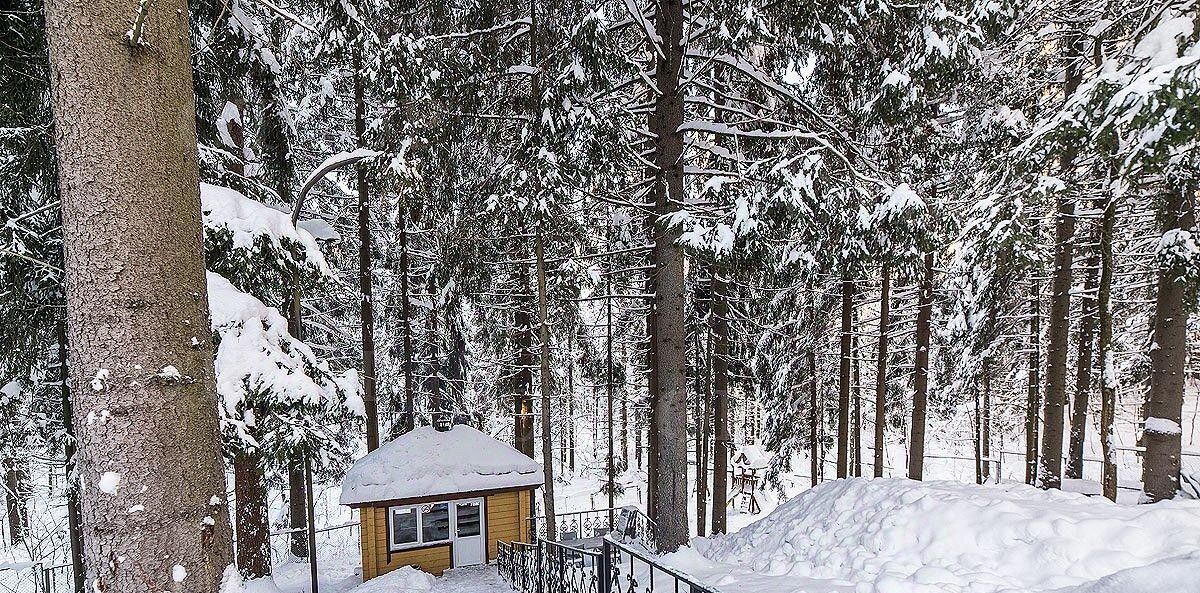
720	386
546	385
365	275
843	425
814	418
1033	387
670	327
141	365
1059	330
1104	352
250	516
1168	354
1083	371
916	445
881	381
523	398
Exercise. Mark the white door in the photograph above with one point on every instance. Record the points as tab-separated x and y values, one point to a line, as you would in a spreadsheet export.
468	533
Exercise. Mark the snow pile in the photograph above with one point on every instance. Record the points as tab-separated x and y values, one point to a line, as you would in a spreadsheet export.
425	462
232	582
405	579
900	536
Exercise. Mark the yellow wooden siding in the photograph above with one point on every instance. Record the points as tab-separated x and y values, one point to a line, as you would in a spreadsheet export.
506	517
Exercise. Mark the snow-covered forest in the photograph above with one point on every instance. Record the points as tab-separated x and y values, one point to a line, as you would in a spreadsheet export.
871	296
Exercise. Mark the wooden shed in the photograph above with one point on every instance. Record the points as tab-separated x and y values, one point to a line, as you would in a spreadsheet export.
439	499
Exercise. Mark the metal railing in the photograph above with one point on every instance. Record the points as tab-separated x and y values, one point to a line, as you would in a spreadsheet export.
637	571
575	525
621	564
333	542
59	578
520	565
633	524
567	569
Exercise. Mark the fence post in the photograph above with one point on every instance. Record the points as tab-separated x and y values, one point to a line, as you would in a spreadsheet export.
605	566
539	576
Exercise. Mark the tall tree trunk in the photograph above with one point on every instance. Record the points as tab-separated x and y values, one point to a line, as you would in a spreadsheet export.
881	381
670	328
74	513
1168	355
704	429
297	509
546	384
128	179
610	470
843	423
570	431
651	385
250	516
855	403
1083	371
985	420
1058	333
1104	352
365	273
16	494
523	398
814	418
435	402
916	450
410	364
1033	388
720	386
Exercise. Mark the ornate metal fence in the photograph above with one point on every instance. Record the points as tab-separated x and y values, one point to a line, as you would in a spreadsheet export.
571	570
520	565
577	525
620	563
633	570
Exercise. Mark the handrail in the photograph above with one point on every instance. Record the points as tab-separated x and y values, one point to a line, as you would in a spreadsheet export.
622	564
613	550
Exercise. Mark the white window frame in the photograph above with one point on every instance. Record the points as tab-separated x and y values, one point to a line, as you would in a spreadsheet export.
419	509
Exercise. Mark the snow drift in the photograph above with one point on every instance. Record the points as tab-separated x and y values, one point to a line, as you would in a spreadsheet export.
405	579
900	536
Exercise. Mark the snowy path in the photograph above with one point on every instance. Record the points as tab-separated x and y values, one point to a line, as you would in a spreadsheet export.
293	578
477	579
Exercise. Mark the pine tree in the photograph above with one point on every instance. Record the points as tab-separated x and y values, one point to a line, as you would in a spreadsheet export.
141	365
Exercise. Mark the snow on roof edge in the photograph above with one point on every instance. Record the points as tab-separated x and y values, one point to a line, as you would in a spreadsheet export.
426	463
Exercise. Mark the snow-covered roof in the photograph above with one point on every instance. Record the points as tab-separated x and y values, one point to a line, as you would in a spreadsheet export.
424	462
752	456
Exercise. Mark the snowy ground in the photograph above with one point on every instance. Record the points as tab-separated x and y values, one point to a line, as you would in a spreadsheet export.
898	536
581	490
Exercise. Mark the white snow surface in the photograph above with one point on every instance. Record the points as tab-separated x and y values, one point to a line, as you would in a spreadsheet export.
405	579
256	354
109	481
1163	426
249	221
425	462
891	535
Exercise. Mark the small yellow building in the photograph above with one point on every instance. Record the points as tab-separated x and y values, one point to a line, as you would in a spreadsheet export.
439	499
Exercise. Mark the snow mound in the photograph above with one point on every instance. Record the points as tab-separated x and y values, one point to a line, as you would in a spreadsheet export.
903	536
405	579
426	462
